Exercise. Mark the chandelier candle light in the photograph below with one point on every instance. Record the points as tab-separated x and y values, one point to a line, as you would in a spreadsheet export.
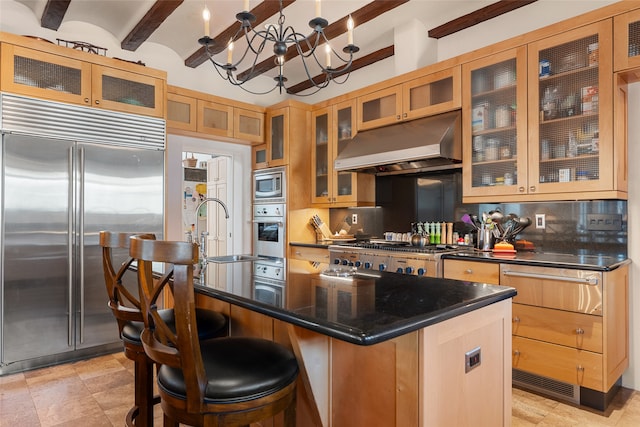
282	38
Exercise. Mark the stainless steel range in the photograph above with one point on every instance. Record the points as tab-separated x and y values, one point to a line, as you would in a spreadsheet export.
403	259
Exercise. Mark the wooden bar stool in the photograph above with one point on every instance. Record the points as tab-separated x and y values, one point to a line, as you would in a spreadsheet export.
125	304
230	381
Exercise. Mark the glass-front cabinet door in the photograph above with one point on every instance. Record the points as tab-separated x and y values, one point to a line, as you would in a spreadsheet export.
321	184
626	33
128	92
571	112
277	136
345	183
44	75
495	124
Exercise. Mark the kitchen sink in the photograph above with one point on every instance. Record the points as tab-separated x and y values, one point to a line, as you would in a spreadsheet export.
232	258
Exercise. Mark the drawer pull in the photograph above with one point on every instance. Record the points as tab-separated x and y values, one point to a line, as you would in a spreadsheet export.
468	271
580	331
591	280
580	368
298	253
516	319
516	353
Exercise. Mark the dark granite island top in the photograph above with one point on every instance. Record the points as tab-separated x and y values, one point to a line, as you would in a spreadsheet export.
362	309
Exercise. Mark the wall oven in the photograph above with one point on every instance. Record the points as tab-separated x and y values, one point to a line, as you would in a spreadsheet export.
269	185
268	282
269	230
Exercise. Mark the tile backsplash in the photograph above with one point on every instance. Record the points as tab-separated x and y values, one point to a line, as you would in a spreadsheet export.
594	227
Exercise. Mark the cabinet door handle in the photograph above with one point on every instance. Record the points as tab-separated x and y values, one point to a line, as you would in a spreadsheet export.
86	100
591	280
580	368
97	101
468	271
521	189
516	352
398	117
580	331
516	319
532	188
404	115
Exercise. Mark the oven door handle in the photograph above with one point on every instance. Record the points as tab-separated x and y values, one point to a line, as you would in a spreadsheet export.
590	280
280	223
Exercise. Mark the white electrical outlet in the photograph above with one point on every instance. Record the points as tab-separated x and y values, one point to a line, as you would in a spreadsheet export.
540	221
354	218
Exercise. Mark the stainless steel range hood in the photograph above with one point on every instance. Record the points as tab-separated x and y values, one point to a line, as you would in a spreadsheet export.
428	144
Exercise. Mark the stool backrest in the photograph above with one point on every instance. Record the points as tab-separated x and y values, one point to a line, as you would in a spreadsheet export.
124	303
180	348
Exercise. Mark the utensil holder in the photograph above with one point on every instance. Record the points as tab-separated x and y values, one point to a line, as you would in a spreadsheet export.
485	239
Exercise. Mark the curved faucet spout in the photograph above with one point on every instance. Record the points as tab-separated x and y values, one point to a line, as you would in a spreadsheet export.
203	238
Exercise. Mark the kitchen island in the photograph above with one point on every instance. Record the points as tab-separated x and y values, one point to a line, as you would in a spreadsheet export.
381	348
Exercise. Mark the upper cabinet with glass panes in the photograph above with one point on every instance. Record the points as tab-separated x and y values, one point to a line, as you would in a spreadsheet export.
626	33
43	70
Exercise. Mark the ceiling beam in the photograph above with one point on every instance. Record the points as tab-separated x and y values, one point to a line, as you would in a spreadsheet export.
361	62
262	12
160	11
337	28
53	13
476	17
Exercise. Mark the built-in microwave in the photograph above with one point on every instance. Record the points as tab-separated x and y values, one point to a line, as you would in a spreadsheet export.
269	185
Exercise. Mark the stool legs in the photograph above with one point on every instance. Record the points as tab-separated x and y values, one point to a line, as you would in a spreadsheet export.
141	415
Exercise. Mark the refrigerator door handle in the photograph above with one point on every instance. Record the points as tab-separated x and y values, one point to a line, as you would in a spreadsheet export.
81	237
70	252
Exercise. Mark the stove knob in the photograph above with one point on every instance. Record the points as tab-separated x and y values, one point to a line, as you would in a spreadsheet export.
409	270
421	271
336	261
357	264
399	270
367	265
345	262
382	267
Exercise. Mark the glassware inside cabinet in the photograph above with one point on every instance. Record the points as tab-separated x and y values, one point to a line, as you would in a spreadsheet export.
494	132
569	121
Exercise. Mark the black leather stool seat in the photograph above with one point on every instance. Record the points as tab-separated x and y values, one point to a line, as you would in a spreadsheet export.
211	324
238	369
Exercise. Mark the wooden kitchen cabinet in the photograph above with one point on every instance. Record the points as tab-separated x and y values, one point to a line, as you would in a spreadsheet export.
626	41
561	144
287	129
432	94
472	271
57	77
277	136
332	128
181	112
494	124
205	114
570	326
306	253
259	156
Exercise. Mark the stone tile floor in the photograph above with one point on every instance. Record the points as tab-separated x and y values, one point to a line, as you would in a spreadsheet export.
99	392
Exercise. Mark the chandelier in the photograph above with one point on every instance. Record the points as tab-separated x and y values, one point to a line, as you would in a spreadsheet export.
309	48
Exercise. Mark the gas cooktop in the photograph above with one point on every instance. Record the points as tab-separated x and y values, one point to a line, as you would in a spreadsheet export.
402	247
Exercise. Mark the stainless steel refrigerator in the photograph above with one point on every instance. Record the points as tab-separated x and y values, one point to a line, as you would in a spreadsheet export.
57	194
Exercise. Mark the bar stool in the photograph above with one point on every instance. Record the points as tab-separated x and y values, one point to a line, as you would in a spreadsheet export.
125	305
230	381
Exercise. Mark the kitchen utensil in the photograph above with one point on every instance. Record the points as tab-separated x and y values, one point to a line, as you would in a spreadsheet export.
467	220
418	240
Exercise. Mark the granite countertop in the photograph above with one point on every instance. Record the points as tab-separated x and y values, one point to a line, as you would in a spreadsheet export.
596	262
366	308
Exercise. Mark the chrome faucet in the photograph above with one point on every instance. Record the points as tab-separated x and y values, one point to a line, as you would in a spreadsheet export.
203	237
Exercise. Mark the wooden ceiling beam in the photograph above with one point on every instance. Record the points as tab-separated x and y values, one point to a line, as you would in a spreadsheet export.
262	12
361	62
154	17
476	17
53	13
337	28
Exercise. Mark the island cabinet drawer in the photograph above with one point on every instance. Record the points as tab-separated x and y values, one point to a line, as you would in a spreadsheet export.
473	271
560	288
309	254
565	364
582	331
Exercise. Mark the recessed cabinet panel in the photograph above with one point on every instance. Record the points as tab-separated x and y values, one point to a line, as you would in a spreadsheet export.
248	125
627	41
215	119
125	91
181	112
44	75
